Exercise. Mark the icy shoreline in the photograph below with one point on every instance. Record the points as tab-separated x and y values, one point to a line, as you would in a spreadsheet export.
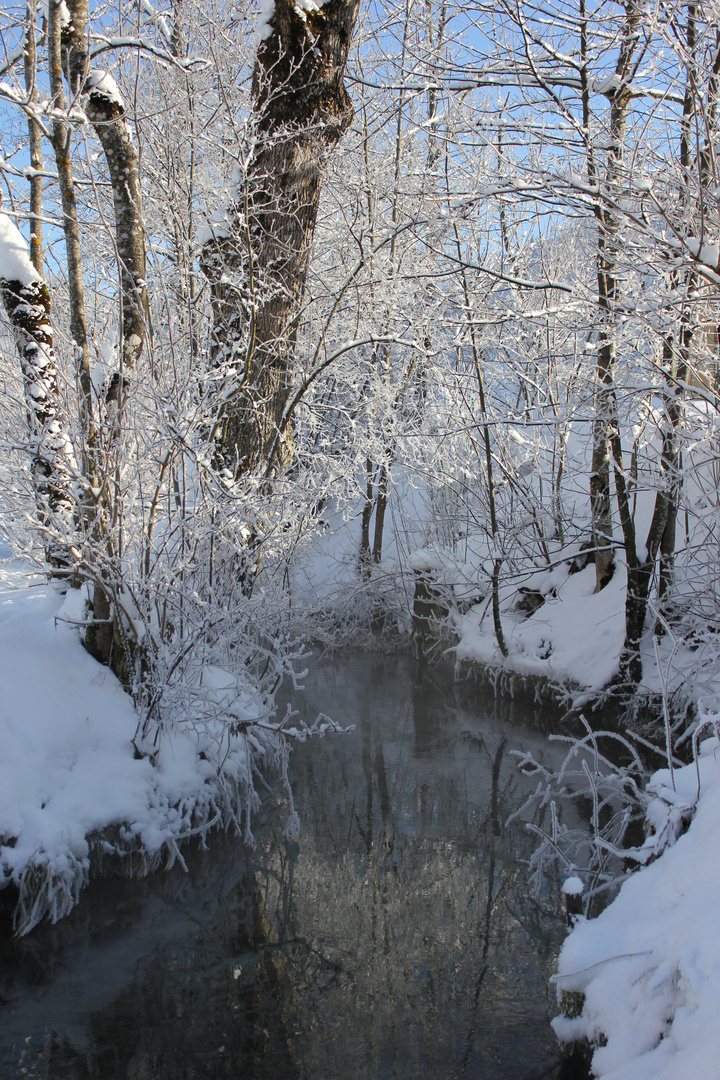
73	795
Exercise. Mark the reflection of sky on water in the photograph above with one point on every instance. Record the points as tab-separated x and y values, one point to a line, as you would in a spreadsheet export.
396	938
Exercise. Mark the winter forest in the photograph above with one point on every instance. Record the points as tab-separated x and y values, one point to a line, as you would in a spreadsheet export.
392	326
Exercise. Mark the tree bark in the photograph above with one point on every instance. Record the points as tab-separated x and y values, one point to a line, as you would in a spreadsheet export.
53	470
61	141
105	110
34	137
675	361
68	55
107	115
605	425
258	268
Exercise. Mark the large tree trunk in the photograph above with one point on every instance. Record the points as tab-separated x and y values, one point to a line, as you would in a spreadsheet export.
257	263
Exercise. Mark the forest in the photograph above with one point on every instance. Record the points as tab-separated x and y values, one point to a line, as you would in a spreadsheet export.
392	325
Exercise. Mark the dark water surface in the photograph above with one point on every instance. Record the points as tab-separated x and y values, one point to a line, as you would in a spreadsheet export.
396	938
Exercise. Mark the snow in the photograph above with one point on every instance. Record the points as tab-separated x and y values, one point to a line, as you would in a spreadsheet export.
424	559
68	768
572	886
160	20
217	227
64	11
102	82
607	86
263	29
649	965
709	254
548	643
15	262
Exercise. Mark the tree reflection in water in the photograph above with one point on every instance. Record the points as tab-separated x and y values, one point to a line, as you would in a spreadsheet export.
397	937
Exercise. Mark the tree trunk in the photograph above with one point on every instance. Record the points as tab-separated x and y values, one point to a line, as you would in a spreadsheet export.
258	267
605	426
34	137
27	302
661	534
106	112
61	141
104	107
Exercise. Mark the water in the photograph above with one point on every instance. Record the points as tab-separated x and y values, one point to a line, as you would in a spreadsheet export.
397	938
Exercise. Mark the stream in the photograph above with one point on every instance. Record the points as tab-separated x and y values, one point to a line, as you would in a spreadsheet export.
397	937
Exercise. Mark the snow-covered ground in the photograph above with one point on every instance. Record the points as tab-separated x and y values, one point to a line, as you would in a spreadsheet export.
68	770
574	638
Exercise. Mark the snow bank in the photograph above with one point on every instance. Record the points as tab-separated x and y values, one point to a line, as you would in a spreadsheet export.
575	637
71	787
15	262
649	965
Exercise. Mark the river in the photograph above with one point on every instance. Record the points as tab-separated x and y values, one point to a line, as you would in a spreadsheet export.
396	937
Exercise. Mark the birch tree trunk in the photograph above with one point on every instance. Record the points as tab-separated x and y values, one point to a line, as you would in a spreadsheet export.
257	265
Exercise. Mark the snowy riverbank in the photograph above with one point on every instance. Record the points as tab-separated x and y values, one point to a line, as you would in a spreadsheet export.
649	965
72	790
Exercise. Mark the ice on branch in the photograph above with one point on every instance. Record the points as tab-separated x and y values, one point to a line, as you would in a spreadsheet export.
160	20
